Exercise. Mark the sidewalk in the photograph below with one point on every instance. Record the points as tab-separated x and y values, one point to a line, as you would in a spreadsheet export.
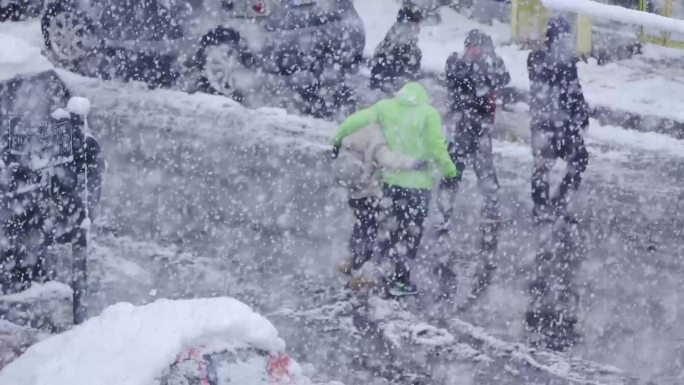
645	92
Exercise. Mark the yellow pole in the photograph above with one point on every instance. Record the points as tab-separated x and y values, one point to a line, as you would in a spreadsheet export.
584	35
514	19
642	8
529	19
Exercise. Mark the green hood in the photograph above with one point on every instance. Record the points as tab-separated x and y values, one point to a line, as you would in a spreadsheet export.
413	94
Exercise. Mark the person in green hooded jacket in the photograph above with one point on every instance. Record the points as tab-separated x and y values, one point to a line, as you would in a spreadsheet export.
413	128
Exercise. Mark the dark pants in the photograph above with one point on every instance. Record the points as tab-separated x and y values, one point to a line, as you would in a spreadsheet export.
474	145
548	144
406	215
366	211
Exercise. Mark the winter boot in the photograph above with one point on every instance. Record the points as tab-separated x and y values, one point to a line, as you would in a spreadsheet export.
400	289
365	277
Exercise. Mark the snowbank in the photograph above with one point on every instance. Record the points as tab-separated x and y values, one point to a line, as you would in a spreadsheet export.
635	141
616	13
129	345
17	57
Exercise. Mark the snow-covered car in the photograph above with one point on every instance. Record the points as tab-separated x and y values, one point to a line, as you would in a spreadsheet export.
241	48
217	341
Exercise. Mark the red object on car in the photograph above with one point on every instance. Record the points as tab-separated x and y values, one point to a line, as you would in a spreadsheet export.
259	7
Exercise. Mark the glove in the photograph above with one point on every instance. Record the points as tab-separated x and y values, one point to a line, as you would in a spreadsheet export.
449	183
335	151
446	209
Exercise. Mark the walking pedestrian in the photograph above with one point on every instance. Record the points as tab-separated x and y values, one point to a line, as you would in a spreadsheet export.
559	115
412	127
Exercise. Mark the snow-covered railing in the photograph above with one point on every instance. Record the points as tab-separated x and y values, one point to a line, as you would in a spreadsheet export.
616	13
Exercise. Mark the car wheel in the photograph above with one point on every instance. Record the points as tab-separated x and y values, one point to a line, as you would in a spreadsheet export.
225	67
65	32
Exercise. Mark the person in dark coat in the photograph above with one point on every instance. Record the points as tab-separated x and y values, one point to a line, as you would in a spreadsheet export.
397	58
473	80
559	115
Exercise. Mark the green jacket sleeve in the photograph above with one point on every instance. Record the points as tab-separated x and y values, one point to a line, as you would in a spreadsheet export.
355	122
436	146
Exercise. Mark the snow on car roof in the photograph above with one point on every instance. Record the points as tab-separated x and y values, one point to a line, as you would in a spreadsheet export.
17	57
133	345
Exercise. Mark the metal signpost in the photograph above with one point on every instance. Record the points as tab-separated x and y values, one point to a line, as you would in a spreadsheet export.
40	146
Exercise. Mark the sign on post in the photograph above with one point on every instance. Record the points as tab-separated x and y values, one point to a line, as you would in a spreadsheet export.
40	143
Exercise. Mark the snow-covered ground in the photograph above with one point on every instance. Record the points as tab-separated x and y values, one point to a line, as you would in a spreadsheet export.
246	200
204	197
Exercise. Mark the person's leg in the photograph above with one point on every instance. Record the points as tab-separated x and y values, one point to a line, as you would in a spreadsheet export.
544	157
483	164
411	222
459	150
365	229
395	220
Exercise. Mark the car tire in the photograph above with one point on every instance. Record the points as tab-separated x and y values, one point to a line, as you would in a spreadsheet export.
64	32
220	60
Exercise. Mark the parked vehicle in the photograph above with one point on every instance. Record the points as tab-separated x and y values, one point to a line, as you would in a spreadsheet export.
249	50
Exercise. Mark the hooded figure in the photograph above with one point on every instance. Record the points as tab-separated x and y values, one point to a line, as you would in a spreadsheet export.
559	114
412	128
398	57
473	80
363	158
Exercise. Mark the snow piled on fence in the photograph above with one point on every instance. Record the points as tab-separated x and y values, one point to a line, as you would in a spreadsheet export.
616	13
129	345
